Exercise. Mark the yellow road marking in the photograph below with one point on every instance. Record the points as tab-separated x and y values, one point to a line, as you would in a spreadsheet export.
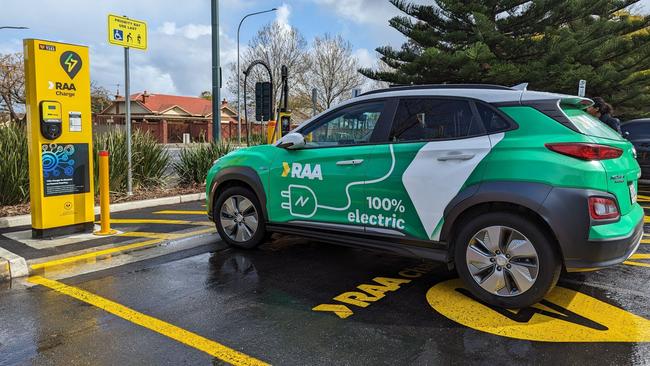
566	316
167	236
76	258
155	239
638	264
646	219
180	212
640	256
159	221
642	198
178	334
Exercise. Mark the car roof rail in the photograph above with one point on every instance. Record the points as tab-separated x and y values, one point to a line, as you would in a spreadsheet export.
437	86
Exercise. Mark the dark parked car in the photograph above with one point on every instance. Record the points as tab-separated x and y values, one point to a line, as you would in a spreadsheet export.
637	131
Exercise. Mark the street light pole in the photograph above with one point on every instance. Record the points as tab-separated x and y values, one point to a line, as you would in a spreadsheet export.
12	27
238	71
216	74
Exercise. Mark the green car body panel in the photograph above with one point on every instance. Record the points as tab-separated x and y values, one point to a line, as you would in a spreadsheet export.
404	189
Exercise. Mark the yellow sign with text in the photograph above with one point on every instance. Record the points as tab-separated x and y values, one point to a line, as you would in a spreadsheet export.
57	87
126	32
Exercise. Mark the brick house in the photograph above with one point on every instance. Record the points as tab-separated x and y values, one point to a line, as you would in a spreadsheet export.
168	117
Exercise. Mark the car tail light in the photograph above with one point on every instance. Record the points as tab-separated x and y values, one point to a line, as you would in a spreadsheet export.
585	151
601	208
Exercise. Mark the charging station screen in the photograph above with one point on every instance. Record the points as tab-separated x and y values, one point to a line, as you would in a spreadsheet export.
65	169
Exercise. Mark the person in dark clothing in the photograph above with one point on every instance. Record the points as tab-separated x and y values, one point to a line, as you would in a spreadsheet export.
603	111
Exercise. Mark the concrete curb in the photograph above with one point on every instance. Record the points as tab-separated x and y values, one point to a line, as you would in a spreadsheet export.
19	267
15	221
12	265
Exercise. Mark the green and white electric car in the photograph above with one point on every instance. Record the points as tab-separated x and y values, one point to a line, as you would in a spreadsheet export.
508	186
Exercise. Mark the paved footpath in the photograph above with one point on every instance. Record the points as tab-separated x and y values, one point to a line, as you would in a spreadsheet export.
300	302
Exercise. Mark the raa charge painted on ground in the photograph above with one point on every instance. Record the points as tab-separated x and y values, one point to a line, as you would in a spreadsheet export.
507	185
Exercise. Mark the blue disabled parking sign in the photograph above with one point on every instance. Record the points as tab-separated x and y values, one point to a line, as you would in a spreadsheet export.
118	35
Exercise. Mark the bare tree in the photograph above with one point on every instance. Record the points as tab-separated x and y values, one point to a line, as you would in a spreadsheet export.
12	84
100	98
333	72
277	45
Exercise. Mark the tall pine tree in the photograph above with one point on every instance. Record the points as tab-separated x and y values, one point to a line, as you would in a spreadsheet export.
551	44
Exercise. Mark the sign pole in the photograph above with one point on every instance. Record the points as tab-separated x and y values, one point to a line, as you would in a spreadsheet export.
127	33
127	98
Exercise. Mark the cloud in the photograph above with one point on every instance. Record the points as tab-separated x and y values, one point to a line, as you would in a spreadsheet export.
190	31
282	16
362	11
365	57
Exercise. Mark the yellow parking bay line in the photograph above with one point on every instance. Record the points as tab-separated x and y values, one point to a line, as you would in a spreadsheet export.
178	334
180	212
643	198
159	221
167	236
638	264
640	256
156	238
76	258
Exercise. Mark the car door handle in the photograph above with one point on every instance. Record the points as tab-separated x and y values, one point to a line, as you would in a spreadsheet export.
456	157
349	162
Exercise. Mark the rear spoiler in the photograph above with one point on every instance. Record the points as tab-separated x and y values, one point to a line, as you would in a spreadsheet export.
576	102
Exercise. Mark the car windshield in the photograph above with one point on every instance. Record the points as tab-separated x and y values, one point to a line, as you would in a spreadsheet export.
589	125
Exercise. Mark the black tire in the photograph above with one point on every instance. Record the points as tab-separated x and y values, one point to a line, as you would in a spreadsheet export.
259	234
548	260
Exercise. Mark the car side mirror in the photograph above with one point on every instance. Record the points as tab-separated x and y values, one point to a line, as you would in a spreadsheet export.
292	141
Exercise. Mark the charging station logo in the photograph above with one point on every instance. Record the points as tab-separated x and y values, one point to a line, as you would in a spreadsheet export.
71	63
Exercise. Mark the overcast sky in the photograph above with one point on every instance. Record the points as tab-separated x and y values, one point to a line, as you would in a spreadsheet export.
178	58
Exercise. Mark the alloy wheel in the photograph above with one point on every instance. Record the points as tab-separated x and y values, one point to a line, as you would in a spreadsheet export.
239	218
502	261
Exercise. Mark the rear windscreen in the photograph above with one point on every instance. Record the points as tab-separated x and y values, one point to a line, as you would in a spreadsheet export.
589	125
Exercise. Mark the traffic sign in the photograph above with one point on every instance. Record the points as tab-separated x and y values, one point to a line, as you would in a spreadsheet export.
126	32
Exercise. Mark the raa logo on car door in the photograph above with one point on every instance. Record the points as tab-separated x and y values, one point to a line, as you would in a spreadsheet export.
301	171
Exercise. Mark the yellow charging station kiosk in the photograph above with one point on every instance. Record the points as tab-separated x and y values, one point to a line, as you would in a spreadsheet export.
59	130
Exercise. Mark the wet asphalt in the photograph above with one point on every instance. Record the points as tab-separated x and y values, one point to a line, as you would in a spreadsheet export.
260	303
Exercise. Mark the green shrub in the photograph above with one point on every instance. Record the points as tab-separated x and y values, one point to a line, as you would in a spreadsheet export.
194	162
257	139
14	165
149	160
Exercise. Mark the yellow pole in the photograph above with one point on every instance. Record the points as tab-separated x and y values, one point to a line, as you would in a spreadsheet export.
104	196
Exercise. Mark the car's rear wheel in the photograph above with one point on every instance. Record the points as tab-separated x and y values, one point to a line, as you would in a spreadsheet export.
506	260
239	219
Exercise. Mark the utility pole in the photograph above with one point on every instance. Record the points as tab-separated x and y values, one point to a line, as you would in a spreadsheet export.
216	75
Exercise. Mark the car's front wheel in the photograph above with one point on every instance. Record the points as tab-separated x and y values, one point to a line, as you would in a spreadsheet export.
239	219
506	260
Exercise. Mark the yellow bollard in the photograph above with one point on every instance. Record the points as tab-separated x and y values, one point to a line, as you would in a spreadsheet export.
104	196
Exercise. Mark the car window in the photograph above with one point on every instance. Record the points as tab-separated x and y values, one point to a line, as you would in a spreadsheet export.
589	125
491	119
349	126
420	119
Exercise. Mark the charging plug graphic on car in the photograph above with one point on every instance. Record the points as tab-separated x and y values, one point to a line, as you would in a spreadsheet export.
301	201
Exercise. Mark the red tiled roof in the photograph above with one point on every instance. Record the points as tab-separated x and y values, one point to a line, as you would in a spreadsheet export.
159	103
